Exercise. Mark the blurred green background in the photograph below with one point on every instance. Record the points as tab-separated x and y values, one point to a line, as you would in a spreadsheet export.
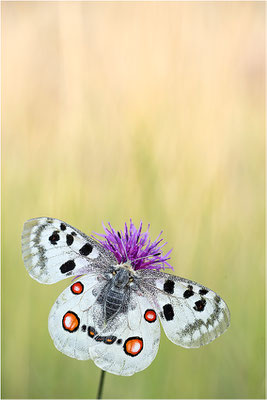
153	111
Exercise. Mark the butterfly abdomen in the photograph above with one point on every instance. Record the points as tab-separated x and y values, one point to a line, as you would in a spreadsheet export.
114	301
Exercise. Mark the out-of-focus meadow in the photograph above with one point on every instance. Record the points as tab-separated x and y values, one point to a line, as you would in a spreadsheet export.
151	111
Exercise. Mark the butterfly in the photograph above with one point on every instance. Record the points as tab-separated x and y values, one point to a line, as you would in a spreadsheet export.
111	311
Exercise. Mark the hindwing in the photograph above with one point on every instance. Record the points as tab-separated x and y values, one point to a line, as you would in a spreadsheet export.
124	345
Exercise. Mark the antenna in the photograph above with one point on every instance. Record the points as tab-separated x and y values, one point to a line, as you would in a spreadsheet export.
151	255
119	234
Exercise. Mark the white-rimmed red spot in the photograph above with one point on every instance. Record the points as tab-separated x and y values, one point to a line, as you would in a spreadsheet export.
133	346
70	321
77	288
150	316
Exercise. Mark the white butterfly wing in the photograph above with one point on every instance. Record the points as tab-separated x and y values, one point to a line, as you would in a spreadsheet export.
191	314
68	321
53	250
124	345
137	345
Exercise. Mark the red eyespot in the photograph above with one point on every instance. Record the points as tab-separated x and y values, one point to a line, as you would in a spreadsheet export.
150	316
133	346
77	288
71	321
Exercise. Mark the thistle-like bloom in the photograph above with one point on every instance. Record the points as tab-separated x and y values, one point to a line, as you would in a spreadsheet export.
135	247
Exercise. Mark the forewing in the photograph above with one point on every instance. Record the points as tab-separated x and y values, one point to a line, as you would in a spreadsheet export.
53	250
126	344
191	314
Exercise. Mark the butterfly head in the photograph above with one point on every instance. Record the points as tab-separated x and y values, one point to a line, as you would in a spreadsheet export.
123	275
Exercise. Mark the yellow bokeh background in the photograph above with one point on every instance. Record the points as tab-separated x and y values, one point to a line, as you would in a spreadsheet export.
145	110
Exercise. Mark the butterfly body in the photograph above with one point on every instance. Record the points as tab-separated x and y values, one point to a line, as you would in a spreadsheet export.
116	293
111	312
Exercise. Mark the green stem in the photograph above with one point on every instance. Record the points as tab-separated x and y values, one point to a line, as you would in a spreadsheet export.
101	384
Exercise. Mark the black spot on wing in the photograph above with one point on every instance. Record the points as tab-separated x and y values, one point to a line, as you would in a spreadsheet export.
109	339
200	305
189	292
67	266
62	227
69	240
119	341
100	338
93	334
202	292
168	312
83	328
54	238
199	322
74	233
169	286
91	331
86	249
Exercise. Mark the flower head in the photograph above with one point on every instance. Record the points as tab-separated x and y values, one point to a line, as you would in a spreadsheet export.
134	246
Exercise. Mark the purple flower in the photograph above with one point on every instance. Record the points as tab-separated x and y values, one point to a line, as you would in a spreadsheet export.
135	247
